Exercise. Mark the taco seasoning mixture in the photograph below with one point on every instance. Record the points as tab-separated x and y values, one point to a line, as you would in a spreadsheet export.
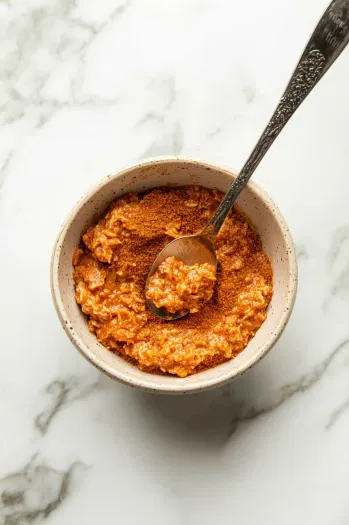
112	263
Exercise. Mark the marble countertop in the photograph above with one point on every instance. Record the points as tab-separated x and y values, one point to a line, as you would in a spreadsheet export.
86	88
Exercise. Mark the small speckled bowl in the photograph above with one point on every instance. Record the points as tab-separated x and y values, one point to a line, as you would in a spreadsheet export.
253	201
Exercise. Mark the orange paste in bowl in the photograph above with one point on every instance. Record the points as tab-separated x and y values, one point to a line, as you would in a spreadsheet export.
112	263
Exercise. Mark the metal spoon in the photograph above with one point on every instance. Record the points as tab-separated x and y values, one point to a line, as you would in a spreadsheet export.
325	45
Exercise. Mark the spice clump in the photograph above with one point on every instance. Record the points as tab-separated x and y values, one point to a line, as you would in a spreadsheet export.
178	287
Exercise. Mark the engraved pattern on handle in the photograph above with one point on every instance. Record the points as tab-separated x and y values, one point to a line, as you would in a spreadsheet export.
325	45
304	79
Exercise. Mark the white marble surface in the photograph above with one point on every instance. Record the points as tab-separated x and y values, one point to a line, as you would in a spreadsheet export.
86	87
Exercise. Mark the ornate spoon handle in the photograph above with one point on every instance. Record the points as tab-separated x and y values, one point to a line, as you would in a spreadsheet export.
325	45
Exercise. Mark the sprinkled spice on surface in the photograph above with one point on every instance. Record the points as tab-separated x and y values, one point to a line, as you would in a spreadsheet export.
111	267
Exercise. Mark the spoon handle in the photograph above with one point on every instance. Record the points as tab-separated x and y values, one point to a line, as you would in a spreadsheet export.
325	45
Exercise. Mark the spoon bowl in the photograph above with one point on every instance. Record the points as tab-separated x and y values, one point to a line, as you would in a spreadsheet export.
190	249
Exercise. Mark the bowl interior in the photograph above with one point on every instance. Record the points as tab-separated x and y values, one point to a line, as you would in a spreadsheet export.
253	202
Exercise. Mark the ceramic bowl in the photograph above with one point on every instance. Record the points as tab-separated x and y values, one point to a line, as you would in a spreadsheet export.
253	201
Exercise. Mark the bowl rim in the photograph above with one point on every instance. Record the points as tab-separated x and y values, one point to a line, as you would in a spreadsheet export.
147	384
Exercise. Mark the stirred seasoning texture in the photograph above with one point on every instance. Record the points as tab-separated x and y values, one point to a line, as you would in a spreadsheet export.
112	263
178	287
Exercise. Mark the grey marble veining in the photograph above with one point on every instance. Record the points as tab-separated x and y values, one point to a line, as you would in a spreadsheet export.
35	491
62	392
299	386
